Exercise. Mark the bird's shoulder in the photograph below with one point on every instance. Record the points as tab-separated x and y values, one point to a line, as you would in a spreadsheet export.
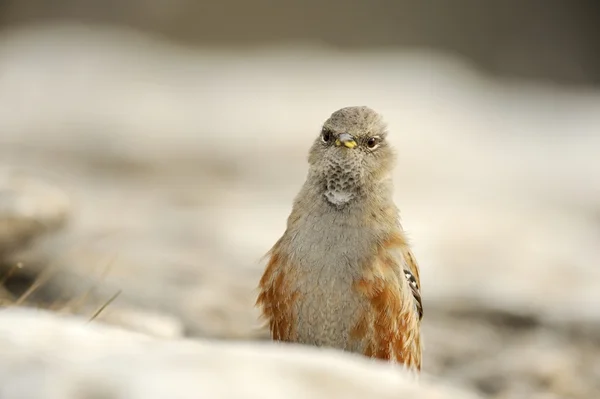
396	264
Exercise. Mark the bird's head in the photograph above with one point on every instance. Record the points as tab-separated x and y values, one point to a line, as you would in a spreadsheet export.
351	153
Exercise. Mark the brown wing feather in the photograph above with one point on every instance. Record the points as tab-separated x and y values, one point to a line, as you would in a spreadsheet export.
412	274
276	297
389	328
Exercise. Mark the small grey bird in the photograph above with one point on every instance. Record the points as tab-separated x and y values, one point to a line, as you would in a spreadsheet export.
343	275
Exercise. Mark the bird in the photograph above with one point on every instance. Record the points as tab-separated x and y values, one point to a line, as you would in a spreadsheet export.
343	274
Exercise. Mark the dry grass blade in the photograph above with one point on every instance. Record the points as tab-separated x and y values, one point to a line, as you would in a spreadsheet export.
42	278
110	300
74	305
10	272
6	297
50	271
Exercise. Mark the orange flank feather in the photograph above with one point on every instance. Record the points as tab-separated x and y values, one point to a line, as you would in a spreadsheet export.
276	299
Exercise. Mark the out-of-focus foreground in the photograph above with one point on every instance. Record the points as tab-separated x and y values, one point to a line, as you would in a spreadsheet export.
160	175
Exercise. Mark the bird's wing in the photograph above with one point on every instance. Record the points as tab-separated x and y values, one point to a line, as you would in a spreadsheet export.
411	272
391	325
276	297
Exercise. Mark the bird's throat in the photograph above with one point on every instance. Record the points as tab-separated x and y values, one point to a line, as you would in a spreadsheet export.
339	198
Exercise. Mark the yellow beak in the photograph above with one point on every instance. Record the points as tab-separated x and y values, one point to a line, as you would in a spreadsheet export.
345	139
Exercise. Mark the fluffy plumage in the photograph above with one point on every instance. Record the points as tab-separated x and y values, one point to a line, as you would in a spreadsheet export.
343	275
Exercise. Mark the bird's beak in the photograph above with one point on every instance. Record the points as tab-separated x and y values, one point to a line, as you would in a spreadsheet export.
345	139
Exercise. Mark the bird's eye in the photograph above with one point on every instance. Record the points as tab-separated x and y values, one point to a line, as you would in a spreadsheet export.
373	142
326	136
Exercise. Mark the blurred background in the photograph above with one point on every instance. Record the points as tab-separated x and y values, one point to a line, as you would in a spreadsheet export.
150	152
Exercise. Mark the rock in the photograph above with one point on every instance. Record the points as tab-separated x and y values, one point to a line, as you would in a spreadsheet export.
50	357
511	361
29	208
